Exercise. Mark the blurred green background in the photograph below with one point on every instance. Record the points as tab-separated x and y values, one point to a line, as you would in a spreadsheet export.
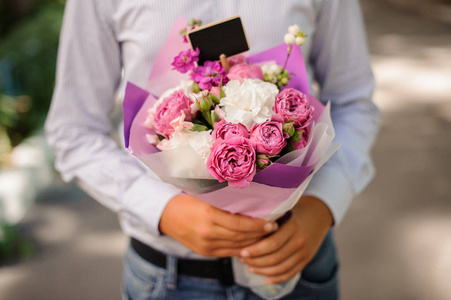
29	34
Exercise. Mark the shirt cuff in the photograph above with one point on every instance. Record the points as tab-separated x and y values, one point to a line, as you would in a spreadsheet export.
333	188
145	202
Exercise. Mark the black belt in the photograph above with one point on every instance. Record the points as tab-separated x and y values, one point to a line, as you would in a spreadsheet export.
220	269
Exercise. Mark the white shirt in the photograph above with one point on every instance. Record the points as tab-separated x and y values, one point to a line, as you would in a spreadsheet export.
100	38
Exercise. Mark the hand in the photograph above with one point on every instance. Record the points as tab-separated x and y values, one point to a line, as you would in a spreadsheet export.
286	252
210	231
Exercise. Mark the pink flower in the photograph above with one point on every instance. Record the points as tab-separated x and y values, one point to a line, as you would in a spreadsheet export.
191	24
263	161
172	107
215	91
219	112
241	71
293	106
237	59
268	137
208	75
304	137
186	60
179	123
232	160
224	130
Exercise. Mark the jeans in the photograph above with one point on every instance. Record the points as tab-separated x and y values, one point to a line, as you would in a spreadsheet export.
142	280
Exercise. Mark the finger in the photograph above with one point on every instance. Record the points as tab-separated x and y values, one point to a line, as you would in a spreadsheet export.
282	268
226	244
221	233
270	244
243	223
273	258
288	275
224	252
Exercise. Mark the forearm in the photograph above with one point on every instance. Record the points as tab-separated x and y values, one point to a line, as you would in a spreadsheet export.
342	68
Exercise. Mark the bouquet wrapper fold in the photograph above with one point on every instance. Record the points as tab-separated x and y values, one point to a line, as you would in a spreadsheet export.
273	191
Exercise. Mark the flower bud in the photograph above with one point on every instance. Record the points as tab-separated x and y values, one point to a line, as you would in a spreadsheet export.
276	69
296	136
288	127
221	93
215	91
195	88
270	72
203	104
293	29
300	40
269	78
289	39
284	81
213	99
214	117
263	161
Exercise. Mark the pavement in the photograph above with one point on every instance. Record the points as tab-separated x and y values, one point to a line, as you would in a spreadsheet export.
395	241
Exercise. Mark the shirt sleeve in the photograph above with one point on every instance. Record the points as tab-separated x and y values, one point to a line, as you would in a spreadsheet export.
340	60
78	126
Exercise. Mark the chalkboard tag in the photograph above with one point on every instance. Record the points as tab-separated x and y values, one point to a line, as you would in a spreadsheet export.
222	37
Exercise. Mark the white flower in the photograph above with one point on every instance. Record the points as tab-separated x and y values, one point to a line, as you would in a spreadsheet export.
276	69
200	141
294	35
294	29
152	139
300	40
248	103
289	39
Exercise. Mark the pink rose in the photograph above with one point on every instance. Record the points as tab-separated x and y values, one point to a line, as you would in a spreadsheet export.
304	135
293	106
170	109
241	71
232	160
235	60
224	130
268	137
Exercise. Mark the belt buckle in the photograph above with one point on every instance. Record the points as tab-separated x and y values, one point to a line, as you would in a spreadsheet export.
226	271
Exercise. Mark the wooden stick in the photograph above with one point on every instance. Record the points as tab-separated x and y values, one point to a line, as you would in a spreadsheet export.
224	62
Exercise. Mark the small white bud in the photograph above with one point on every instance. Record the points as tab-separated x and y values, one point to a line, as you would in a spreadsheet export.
289	39
300	40
293	29
265	68
270	72
276	69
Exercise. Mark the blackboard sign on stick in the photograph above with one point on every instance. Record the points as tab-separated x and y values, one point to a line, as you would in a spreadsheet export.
223	37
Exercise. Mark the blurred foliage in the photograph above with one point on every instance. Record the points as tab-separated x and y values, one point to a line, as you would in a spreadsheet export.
13	12
13	245
28	53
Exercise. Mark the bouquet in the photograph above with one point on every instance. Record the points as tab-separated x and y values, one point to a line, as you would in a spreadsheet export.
245	136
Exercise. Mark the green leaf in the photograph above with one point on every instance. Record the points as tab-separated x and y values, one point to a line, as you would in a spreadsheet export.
198	127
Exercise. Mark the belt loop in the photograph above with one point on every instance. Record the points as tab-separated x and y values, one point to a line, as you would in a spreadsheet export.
171	268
